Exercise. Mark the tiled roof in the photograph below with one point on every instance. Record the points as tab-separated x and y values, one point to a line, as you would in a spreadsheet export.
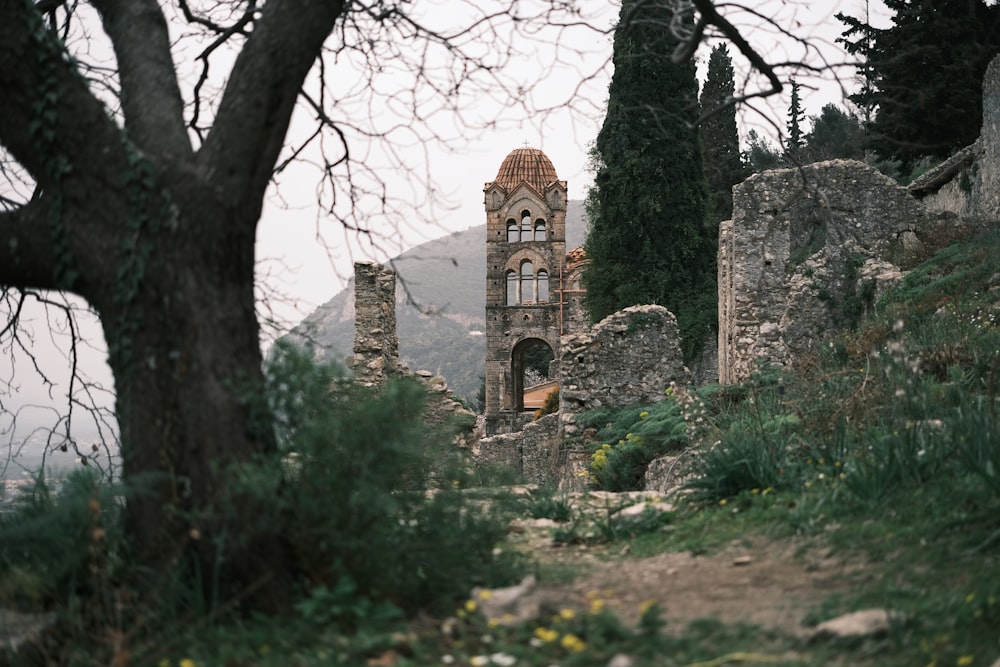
526	165
576	257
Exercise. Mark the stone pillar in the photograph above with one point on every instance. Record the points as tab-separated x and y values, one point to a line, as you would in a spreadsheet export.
376	347
988	189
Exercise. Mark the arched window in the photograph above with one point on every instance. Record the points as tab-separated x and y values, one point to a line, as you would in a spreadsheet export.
539	230
511	288
543	285
527	292
525	225
512	231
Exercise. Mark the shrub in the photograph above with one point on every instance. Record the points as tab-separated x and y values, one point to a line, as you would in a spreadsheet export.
374	496
633	437
743	461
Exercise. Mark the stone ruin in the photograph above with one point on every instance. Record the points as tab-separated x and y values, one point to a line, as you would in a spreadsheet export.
376	349
376	346
811	249
630	356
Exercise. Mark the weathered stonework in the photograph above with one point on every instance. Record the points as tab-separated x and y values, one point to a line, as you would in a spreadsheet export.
376	351
532	452
376	347
628	357
807	252
525	260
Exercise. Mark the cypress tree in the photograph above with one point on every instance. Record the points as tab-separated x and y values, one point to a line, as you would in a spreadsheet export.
720	139
647	241
795	119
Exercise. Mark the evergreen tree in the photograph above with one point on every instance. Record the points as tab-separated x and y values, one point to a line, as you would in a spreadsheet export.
835	134
647	240
761	154
929	67
720	140
859	40
795	119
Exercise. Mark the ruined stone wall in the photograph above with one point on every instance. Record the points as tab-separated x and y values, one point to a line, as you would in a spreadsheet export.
986	184
630	356
376	347
808	251
532	452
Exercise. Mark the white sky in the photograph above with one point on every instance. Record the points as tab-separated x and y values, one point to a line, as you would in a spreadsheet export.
306	258
309	272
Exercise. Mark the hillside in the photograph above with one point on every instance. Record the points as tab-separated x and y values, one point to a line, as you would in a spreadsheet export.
440	307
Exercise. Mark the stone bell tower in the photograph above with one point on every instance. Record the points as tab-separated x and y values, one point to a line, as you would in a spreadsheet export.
525	263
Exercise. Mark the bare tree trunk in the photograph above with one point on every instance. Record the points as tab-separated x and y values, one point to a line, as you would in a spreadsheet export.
187	364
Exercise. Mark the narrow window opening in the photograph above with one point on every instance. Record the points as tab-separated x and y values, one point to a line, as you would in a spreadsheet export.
539	230
527	292
511	288
543	285
512	232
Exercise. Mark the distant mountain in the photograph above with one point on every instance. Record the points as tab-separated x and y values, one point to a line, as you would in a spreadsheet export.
440	307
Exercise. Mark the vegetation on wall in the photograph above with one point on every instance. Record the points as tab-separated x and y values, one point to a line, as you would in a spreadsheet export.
647	240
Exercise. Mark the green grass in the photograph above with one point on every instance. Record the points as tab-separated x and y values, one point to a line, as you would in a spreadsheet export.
883	449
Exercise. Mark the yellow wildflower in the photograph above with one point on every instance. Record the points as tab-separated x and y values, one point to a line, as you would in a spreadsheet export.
485	594
723	501
546	635
964	661
596	605
186	662
470	606
566	614
572	643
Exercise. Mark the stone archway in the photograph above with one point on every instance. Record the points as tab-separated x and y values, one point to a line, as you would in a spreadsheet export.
529	366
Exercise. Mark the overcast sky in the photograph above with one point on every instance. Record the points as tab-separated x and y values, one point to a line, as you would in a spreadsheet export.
305	257
309	259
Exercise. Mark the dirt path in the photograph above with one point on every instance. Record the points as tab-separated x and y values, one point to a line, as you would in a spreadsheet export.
760	581
766	585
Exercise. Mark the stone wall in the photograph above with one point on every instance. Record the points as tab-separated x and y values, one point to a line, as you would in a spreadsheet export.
376	347
808	251
630	356
533	452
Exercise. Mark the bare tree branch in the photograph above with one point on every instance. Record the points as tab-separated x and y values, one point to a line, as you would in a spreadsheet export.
153	108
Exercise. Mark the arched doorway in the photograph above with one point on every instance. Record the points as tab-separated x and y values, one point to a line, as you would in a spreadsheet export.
530	363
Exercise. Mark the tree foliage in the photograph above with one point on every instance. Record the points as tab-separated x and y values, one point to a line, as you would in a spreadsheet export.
647	239
834	134
796	118
720	139
761	154
928	70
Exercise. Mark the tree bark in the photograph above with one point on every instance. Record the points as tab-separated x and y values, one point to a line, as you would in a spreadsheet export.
160	240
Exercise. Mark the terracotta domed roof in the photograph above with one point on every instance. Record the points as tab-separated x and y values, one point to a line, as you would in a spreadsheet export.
526	165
